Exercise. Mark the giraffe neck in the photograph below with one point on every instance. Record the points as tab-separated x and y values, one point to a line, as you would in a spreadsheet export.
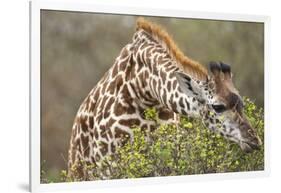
154	82
142	76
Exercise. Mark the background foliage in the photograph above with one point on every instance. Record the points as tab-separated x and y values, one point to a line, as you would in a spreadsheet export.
77	48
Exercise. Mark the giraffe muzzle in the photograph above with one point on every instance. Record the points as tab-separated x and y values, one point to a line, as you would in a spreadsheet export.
250	146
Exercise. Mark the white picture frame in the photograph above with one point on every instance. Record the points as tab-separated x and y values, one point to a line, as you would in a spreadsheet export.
37	6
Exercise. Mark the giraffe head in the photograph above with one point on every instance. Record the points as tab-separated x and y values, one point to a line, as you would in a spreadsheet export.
221	106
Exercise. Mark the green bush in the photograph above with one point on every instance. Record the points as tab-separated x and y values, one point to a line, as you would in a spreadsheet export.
182	149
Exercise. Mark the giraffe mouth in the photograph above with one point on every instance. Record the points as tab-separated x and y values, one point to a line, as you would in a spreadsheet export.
249	147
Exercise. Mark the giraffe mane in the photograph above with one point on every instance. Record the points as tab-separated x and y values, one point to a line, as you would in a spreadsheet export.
188	65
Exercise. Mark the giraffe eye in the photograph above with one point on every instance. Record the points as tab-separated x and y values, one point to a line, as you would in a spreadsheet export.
219	108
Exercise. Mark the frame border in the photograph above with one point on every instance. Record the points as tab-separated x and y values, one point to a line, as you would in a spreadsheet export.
34	100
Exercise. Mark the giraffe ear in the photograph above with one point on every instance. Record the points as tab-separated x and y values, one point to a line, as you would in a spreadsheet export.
189	86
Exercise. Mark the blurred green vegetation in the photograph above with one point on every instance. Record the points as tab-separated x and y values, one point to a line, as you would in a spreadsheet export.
183	149
77	49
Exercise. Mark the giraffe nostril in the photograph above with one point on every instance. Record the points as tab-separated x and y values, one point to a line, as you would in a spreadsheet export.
255	143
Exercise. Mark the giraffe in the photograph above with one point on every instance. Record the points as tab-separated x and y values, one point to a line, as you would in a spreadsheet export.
151	71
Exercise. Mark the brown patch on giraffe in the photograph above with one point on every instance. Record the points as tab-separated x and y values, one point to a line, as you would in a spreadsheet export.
193	68
84	141
93	160
165	114
129	122
139	61
169	85
103	148
119	133
131	70
181	103
91	122
119	82
113	148
171	75
103	132
96	133
83	122
152	128
183	112
119	109
144	127
97	104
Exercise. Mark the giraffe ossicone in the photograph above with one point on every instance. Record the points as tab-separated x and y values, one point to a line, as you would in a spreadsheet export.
151	71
